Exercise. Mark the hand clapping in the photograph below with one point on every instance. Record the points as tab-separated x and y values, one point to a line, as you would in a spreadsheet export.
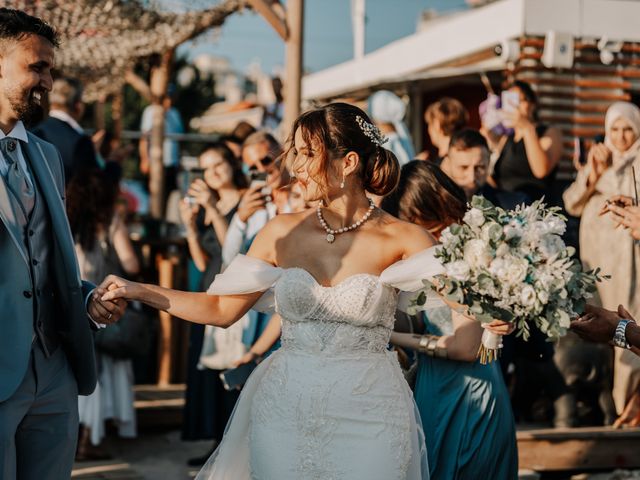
625	213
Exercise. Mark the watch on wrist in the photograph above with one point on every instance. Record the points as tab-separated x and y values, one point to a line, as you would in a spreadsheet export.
620	337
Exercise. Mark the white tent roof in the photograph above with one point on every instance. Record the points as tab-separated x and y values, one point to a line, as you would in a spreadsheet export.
473	31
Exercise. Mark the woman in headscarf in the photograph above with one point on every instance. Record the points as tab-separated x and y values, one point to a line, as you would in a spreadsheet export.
608	172
387	110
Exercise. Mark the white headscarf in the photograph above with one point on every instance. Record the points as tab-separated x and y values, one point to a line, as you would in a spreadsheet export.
387	107
631	114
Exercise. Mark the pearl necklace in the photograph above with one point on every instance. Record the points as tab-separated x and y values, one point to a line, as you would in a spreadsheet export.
331	234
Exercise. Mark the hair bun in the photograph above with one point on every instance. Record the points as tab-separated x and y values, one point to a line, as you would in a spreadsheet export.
382	172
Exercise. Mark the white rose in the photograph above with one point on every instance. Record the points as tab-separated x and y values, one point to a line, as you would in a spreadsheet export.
509	269
527	296
447	238
503	250
474	218
458	270
551	245
476	253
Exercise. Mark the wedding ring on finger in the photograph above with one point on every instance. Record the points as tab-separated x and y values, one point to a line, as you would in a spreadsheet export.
110	316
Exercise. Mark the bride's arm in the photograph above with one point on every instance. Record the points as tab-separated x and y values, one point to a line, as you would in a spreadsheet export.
197	307
461	345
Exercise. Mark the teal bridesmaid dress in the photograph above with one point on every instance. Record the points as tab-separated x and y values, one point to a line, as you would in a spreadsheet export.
466	414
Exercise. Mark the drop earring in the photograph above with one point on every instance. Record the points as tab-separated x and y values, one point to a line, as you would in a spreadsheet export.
342	183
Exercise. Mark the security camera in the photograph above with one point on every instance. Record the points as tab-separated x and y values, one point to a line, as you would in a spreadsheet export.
558	50
508	50
608	49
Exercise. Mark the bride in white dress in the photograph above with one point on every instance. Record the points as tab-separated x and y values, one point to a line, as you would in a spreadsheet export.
331	403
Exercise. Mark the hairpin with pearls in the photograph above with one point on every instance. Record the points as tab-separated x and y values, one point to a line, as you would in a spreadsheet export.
371	131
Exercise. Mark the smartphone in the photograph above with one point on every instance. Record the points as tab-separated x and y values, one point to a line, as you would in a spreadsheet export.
188	177
260	179
509	101
235	378
579	152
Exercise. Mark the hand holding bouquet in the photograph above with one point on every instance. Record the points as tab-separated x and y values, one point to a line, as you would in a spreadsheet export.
512	266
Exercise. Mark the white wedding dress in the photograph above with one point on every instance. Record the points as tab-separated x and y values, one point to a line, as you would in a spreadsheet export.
332	402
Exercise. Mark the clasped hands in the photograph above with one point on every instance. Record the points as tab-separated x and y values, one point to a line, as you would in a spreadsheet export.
106	310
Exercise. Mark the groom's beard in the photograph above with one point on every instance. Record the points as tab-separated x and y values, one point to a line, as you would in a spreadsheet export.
29	110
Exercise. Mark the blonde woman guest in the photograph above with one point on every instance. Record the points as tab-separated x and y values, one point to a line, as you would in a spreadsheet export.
608	173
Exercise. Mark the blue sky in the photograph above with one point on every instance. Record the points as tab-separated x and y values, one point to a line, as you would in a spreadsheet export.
328	36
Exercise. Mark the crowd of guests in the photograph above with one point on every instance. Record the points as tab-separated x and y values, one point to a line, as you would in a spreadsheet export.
245	183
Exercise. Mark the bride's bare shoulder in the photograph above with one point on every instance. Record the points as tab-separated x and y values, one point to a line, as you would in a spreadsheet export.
411	238
279	227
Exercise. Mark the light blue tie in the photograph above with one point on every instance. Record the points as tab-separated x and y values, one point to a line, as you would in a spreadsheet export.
15	179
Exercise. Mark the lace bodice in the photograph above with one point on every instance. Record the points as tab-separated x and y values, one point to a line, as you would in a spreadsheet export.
353	316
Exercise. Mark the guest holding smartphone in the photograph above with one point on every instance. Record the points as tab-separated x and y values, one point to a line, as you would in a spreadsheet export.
206	211
608	173
530	153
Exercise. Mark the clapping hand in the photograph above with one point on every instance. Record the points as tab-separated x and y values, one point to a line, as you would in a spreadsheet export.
625	213
598	160
598	324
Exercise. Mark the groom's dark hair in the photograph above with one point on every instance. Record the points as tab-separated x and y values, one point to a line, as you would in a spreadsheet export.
15	25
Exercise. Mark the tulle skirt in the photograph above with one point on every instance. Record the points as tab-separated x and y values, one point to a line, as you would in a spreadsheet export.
314	416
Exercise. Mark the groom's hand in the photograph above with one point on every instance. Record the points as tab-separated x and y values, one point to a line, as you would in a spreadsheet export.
105	311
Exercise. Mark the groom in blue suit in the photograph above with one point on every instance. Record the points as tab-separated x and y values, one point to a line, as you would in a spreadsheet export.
46	312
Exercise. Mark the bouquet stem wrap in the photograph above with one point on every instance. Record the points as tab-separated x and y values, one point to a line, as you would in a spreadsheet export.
490	346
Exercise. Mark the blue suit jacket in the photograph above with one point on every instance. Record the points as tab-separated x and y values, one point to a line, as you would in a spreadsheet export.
16	314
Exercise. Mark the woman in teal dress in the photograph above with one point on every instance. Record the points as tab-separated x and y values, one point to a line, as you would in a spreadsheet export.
464	405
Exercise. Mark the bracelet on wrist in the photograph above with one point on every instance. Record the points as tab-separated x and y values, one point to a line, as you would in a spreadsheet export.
429	346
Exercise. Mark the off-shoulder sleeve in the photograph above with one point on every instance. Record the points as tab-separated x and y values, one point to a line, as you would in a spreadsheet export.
407	275
248	275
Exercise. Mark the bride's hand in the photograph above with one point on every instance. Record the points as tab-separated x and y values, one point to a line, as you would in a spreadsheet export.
499	327
120	288
246	358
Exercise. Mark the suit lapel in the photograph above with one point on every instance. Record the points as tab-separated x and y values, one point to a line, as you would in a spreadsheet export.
55	206
10	221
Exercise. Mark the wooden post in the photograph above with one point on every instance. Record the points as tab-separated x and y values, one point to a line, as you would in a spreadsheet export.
117	107
98	114
165	266
293	63
159	83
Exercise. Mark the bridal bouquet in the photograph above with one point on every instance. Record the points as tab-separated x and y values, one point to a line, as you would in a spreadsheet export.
512	266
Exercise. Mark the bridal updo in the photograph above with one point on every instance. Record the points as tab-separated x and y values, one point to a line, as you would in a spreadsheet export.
337	129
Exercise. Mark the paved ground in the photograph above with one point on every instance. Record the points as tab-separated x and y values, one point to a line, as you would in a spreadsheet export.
153	455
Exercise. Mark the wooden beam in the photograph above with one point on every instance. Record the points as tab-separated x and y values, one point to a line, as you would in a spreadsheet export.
272	16
138	84
579	448
293	64
159	82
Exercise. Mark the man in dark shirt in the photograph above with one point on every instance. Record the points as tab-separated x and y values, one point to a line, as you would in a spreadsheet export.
467	163
61	128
